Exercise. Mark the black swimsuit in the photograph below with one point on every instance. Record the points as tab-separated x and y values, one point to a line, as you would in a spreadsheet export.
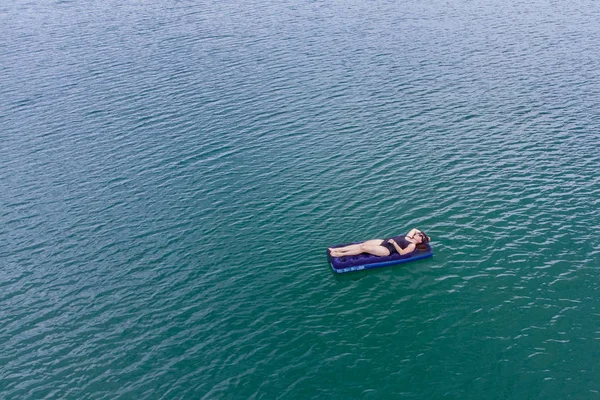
401	240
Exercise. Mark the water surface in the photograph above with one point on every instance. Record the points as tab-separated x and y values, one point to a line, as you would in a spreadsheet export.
172	172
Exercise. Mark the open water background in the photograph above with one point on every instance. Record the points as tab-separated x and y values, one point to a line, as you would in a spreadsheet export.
171	173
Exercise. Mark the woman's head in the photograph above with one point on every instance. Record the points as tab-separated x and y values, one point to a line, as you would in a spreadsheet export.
421	237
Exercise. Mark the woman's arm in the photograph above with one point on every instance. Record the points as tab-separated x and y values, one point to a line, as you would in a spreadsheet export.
412	232
410	248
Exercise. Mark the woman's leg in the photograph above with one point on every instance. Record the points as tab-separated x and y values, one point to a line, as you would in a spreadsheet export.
351	247
355	247
370	246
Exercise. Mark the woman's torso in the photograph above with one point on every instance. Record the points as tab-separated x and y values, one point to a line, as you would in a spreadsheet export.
401	240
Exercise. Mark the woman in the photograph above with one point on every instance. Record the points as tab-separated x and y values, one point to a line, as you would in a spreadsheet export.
384	247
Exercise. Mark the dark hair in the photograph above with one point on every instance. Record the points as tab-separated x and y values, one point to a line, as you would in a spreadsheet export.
424	238
421	247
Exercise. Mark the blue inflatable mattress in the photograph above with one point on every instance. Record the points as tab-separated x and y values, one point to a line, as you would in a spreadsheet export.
369	261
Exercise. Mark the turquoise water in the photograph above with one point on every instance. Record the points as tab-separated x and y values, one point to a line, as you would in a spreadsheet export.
171	174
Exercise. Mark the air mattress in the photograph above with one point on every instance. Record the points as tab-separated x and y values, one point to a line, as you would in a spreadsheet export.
369	261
